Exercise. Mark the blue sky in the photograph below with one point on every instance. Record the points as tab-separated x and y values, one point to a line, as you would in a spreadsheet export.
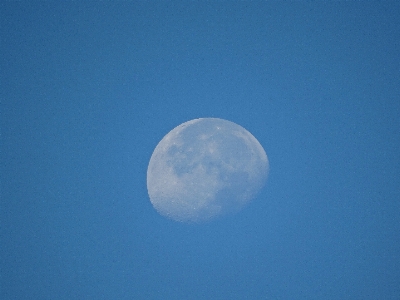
89	89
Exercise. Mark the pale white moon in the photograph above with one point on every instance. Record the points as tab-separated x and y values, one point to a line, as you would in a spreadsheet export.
205	168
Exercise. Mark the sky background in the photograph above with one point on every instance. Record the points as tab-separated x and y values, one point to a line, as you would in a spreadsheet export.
87	91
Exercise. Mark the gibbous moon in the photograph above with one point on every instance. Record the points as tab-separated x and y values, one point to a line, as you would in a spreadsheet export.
205	168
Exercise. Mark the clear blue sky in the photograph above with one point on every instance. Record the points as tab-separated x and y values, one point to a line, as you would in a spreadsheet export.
88	90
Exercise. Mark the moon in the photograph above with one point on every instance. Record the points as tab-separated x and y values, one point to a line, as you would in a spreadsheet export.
205	168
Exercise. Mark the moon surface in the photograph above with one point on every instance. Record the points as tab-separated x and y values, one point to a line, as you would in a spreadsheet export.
205	168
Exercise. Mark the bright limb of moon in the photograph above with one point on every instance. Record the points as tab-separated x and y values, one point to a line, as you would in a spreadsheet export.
204	168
